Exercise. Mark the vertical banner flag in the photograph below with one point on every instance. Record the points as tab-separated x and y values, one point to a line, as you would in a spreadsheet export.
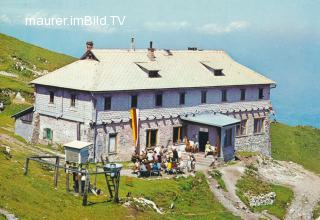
134	113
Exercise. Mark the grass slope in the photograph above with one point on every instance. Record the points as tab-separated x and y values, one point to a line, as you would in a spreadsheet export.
34	197
300	144
251	183
13	50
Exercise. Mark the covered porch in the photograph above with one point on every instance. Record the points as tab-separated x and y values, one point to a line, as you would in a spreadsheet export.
216	128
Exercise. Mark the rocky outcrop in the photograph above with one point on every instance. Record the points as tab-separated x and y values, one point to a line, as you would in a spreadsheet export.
263	199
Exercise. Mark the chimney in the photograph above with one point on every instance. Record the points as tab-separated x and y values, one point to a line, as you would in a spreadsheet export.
151	52
89	45
133	46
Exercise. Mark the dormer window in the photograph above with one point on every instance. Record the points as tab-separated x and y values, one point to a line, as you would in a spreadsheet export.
153	74
217	71
150	68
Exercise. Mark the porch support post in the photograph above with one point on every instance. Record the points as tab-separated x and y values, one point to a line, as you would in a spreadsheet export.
222	142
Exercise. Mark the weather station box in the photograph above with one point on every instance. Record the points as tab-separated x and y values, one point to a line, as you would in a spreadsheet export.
77	152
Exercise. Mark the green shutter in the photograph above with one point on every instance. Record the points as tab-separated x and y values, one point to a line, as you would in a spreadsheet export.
49	134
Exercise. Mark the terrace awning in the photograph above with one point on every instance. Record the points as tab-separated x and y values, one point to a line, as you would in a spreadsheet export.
213	119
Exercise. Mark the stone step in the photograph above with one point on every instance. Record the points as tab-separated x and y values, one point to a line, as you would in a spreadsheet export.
200	159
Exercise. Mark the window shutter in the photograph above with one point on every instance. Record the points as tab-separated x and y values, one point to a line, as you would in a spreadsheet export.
50	134
44	134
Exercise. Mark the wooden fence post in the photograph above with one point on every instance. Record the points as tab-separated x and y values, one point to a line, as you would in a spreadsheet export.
26	166
86	189
56	172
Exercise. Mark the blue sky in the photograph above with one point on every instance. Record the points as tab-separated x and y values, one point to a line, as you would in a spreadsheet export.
280	39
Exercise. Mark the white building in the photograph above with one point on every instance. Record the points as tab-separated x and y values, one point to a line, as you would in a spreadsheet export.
204	95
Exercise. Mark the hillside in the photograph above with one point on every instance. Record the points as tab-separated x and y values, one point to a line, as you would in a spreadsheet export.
28	60
21	62
300	144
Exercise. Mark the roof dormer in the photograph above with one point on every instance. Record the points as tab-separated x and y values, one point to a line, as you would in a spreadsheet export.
216	70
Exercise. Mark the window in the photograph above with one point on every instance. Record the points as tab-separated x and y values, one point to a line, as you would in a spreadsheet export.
134	101
182	98
260	93
258	125
228	137
243	94
73	101
112	143
224	95
154	74
47	134
151	137
177	135
242	128
203	96
218	72
158	99
107	103
51	99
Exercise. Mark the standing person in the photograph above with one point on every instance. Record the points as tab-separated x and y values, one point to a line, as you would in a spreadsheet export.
207	149
175	154
150	156
157	149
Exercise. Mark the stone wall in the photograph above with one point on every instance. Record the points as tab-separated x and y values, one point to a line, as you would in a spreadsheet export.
63	130
125	144
24	129
255	142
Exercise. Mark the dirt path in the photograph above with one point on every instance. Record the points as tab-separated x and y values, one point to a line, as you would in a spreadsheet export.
230	175
305	184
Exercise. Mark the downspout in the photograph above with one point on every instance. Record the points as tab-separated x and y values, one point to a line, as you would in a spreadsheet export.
61	113
94	105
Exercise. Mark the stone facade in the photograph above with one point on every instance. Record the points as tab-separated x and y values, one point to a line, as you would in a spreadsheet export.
24	129
88	121
255	142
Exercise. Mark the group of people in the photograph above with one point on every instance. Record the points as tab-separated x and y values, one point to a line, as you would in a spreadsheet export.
153	161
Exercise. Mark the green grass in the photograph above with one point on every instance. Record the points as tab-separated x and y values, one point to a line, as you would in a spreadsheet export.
252	184
300	144
246	154
15	84
5	116
217	175
28	55
316	211
34	197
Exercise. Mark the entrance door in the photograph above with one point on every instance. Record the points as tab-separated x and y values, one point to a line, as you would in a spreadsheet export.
203	138
151	138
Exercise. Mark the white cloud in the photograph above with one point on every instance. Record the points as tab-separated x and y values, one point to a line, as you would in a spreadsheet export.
5	19
100	29
161	25
213	28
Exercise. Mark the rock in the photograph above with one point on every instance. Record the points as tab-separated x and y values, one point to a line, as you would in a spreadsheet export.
19	98
263	199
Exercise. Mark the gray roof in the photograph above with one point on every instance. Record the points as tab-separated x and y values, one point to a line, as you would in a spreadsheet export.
213	119
118	70
77	144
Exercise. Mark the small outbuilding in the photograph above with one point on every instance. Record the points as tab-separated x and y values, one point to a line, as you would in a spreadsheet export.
77	151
